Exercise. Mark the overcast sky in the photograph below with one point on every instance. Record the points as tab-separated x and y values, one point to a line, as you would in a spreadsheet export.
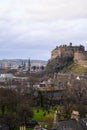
33	28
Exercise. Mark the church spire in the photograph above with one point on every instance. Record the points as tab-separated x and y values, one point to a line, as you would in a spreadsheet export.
29	65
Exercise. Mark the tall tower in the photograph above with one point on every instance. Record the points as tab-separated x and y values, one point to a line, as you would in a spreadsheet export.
29	65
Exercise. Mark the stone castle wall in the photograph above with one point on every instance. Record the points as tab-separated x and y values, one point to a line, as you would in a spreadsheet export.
80	56
61	52
78	52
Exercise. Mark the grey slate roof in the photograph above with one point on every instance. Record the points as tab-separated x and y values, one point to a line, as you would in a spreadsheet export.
71	125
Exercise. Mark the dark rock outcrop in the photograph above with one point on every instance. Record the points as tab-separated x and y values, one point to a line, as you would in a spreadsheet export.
57	64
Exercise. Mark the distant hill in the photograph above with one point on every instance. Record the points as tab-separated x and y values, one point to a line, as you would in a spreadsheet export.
38	62
11	62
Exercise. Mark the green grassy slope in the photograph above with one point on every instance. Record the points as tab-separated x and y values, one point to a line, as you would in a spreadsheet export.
75	68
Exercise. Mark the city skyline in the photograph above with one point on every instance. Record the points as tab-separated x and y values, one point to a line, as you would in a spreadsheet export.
33	28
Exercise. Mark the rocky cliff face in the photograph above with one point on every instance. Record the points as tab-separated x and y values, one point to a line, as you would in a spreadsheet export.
58	63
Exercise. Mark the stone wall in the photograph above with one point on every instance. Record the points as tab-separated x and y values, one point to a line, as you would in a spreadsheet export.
80	56
77	52
61	52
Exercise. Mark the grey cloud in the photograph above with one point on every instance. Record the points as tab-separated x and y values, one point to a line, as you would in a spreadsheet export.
45	9
41	24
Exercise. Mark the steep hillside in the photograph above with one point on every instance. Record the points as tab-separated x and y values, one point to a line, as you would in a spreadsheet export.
75	68
58	64
65	65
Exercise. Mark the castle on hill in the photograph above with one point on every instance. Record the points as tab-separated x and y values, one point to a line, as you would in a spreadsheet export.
77	52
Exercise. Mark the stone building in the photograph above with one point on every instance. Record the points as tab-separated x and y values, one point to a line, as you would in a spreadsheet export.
77	52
